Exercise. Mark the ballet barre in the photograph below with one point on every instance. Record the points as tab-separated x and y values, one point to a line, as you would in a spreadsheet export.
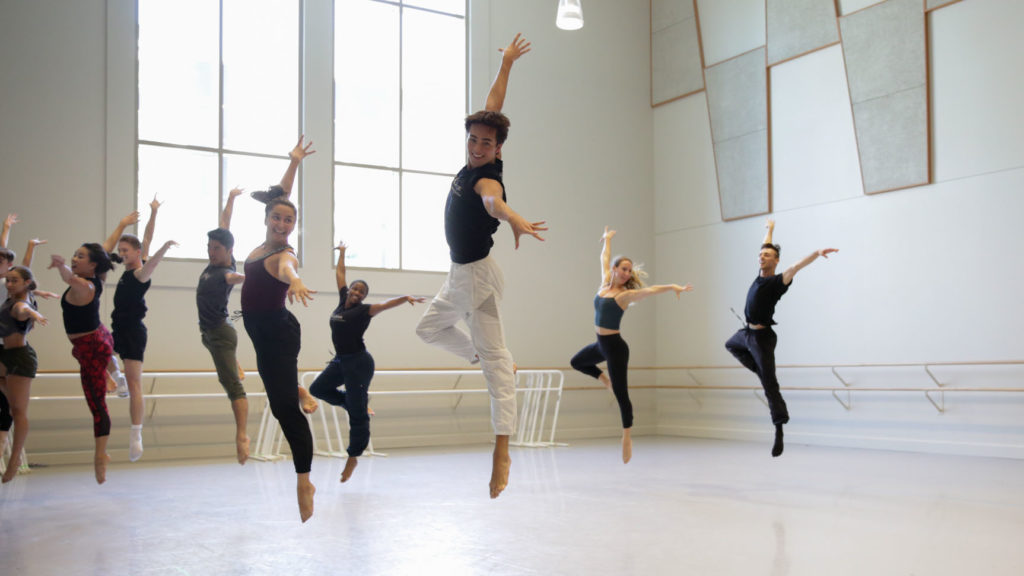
536	391
847	387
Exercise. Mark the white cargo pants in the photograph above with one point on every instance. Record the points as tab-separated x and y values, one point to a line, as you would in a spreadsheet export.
472	293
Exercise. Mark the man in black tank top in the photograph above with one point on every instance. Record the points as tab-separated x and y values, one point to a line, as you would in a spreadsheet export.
473	289
754	344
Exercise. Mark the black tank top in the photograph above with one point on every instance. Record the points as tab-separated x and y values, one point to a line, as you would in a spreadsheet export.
78	319
129	299
261	292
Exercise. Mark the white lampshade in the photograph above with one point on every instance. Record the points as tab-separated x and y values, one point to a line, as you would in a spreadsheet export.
570	15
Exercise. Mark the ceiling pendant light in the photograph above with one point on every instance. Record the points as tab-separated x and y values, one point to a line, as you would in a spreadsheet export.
570	15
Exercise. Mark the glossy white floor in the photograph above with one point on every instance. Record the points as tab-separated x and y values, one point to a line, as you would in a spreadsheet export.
682	506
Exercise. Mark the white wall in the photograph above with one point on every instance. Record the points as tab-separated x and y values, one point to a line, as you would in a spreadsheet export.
67	97
924	275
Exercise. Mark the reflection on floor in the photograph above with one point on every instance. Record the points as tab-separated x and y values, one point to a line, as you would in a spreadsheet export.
682	506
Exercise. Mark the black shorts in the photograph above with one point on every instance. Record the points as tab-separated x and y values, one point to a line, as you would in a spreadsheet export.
130	341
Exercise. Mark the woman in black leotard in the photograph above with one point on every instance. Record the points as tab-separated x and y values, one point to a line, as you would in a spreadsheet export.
621	285
271	273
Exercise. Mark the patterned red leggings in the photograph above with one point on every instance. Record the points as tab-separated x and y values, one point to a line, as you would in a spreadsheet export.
93	353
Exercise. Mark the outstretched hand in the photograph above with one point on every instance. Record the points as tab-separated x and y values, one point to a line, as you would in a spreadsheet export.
46	294
521	226
235	192
679	289
299	151
515	49
155	204
11	220
298	290
412	300
131	218
769	224
824	252
36	242
56	261
608	234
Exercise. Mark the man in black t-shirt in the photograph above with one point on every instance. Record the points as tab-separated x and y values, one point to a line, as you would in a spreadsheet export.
754	345
473	289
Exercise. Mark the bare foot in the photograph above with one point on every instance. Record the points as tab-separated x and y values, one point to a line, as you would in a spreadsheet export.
350	467
627	447
307	401
242	448
10	473
499	474
100	465
605	380
305	490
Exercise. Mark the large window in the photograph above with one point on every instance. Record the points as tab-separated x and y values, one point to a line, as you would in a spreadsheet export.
220	103
218	107
400	97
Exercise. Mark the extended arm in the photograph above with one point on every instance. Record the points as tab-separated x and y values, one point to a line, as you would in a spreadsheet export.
393	303
295	158
111	242
82	290
22	311
288	266
606	257
490	191
147	236
515	49
790	272
144	273
630	296
229	208
26	261
339	270
5	234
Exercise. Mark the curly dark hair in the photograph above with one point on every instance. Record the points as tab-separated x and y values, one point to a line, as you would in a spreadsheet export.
495	120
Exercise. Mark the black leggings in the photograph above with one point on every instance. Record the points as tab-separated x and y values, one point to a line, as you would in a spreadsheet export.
755	349
276	336
612	349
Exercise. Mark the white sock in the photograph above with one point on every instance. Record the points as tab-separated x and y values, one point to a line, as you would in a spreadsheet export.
135	443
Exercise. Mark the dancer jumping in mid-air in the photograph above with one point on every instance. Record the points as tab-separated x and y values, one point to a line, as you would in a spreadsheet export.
129	333
621	285
754	344
218	334
352	365
474	287
271	274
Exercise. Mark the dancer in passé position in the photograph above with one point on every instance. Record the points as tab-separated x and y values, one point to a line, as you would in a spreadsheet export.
352	365
129	333
476	204
91	343
271	274
622	284
215	327
18	313
754	344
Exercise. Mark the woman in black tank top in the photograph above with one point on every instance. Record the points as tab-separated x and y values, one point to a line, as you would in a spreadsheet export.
621	285
129	332
91	343
271	274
